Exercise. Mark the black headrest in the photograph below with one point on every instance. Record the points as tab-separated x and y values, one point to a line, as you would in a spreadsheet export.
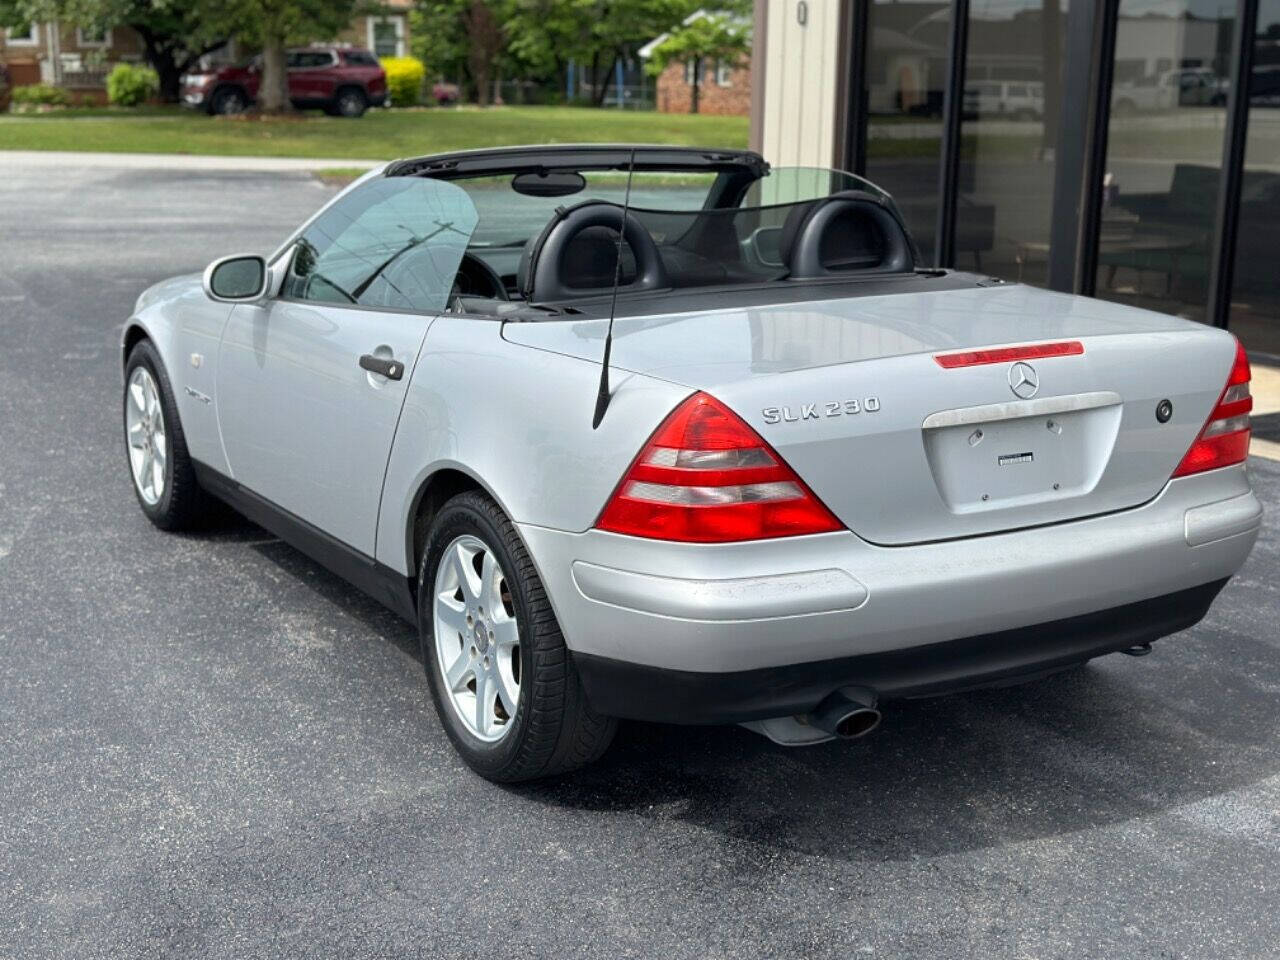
848	232
796	217
572	255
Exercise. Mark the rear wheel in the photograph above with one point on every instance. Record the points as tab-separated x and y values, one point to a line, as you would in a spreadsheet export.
503	681
164	479
350	102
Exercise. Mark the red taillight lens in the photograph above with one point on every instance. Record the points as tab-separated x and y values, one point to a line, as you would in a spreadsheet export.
1225	438
707	477
1031	351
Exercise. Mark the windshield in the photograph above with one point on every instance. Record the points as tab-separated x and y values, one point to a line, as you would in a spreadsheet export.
493	243
508	218
802	184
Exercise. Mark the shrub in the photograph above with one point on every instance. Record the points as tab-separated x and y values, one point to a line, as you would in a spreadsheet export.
129	85
40	94
404	80
4	88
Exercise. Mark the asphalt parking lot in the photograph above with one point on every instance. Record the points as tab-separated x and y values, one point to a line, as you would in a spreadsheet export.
209	747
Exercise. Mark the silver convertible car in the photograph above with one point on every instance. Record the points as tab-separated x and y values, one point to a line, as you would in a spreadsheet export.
671	435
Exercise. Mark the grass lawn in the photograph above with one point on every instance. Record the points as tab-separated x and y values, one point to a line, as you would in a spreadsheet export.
380	134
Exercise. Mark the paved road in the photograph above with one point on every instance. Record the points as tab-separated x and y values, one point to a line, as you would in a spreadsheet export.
211	748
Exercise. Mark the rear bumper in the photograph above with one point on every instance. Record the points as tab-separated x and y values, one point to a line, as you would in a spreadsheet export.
640	692
738	608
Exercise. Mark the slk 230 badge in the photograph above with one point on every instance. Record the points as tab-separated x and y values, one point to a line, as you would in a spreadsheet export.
817	411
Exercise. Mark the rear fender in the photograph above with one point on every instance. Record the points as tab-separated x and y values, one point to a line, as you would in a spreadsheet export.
518	421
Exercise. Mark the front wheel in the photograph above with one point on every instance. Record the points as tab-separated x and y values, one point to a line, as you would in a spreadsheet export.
503	682
164	479
229	102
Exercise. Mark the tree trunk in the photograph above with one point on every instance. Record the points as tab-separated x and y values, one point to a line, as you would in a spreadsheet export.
169	74
273	90
163	55
162	61
480	75
697	85
602	90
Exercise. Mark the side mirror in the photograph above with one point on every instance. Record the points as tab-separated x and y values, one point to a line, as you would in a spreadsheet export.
238	279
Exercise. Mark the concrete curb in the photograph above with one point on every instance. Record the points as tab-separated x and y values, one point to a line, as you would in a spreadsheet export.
14	159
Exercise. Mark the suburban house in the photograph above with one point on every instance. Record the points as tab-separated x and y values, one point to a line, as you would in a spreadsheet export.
62	54
79	58
724	88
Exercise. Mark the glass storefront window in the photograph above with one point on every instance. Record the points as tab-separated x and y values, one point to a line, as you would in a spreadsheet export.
906	78
1164	153
1012	92
1255	294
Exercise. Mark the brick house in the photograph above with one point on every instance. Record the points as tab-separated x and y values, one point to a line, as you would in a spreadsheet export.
724	88
79	59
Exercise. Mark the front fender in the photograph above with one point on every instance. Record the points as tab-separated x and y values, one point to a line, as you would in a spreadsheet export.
185	327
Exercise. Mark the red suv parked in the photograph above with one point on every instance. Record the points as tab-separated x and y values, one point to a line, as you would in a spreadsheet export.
340	80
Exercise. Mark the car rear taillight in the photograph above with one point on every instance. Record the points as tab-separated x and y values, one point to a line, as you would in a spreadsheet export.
707	477
1225	438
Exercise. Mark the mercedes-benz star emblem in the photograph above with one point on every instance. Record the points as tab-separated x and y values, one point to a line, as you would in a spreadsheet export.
1023	380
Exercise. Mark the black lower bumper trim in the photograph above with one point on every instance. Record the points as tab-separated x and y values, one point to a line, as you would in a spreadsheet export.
638	692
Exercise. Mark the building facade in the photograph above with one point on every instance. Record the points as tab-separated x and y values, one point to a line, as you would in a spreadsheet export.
63	54
1125	149
724	88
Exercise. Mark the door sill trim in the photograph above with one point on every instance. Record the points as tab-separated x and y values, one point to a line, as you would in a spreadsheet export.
390	588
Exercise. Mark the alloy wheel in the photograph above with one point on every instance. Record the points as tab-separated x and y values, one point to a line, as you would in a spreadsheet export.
145	430
477	638
350	104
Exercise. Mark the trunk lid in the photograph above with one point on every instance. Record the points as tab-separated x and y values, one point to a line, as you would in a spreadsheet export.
905	451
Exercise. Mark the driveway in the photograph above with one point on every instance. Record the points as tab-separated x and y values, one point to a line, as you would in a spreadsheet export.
209	747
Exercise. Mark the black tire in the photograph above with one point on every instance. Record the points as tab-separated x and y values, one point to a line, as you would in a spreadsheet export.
183	505
554	729
229	101
349	102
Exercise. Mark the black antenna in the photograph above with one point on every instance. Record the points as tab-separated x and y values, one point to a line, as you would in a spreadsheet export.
602	396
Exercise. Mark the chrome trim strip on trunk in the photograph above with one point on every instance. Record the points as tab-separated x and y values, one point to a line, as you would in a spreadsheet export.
1016	409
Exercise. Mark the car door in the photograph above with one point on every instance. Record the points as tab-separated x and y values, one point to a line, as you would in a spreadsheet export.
305	69
310	384
328	74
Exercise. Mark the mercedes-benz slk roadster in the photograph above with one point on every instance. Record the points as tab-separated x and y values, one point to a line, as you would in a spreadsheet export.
667	434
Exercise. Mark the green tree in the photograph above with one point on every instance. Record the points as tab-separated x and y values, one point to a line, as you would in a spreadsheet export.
620	26
717	36
439	39
274	25
536	39
174	33
472	40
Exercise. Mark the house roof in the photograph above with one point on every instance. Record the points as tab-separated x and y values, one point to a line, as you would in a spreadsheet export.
700	14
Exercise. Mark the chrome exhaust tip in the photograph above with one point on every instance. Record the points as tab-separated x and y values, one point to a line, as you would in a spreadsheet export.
848	713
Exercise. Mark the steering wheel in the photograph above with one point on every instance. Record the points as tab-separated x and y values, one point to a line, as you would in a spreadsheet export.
475	278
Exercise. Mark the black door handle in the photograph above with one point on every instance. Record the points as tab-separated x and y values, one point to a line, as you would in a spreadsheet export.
391	369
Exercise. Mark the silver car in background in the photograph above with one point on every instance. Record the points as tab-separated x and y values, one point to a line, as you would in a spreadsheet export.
822	477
